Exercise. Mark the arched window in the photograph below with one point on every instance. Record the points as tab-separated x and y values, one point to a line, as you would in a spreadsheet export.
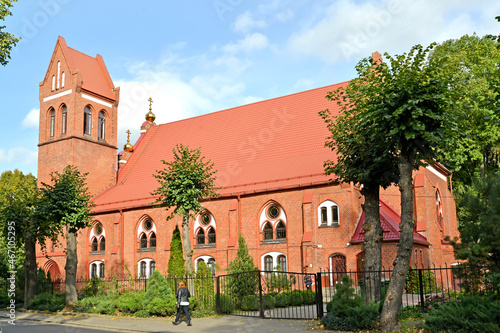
211	265
102	244
211	236
268	263
101	126
282	263
200	236
152	240
52	125
101	271
64	119
143	241
53	82
328	214
93	270
58	74
143	270
268	232
63	79
94	244
152	267
87	121
280	230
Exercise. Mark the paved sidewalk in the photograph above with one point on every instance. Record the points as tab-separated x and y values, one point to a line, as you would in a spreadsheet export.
230	324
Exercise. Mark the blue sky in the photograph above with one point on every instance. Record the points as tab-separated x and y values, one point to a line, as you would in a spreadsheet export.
195	57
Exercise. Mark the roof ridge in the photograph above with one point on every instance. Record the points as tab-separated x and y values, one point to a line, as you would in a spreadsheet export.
253	103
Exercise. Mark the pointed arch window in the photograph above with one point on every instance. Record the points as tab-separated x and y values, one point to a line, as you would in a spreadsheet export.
94	244
64	119
58	74
144	241
63	79
268	232
52	120
211	236
152	240
102	244
280	230
101	128
53	82
200	236
87	121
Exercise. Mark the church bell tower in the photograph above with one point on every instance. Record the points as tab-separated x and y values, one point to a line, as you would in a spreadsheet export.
78	118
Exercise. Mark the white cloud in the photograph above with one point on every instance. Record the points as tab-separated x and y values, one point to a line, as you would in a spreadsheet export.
18	155
286	15
304	84
32	118
245	22
350	30
252	42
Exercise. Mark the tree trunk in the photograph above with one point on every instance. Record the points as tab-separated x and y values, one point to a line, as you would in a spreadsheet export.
393	299
29	264
186	244
372	244
71	265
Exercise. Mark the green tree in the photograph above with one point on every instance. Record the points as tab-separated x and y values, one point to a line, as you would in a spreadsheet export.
176	264
7	40
20	226
66	204
473	64
362	159
184	182
244	274
407	97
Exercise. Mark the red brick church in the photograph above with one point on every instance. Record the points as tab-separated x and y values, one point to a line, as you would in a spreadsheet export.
269	156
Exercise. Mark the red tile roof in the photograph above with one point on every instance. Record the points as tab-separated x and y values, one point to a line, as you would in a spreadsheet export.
268	145
389	220
95	76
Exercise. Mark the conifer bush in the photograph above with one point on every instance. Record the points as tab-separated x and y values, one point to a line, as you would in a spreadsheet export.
243	274
467	314
47	302
226	304
347	311
204	287
176	262
129	302
159	298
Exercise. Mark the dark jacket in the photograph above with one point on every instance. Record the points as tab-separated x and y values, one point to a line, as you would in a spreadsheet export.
183	295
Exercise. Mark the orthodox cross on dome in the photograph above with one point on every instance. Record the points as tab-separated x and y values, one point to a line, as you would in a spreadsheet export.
128	146
150	116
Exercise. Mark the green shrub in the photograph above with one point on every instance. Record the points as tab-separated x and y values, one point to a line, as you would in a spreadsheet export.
89	304
142	314
129	302
94	287
226	304
250	303
243	276
176	263
47	302
157	287
296	298
309	297
268	301
162	306
468	314
282	300
204	287
193	303
107	306
347	311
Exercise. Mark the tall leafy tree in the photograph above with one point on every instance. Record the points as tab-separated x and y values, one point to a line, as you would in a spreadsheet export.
7	40
184	182
18	201
66	203
362	159
474	66
407	102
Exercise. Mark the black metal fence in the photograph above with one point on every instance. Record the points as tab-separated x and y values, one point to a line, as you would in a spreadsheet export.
292	295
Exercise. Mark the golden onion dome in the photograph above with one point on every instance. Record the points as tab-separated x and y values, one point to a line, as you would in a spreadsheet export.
150	116
128	146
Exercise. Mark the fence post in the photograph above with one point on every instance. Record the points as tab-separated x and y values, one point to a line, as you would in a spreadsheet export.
421	287
217	295
261	307
319	296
